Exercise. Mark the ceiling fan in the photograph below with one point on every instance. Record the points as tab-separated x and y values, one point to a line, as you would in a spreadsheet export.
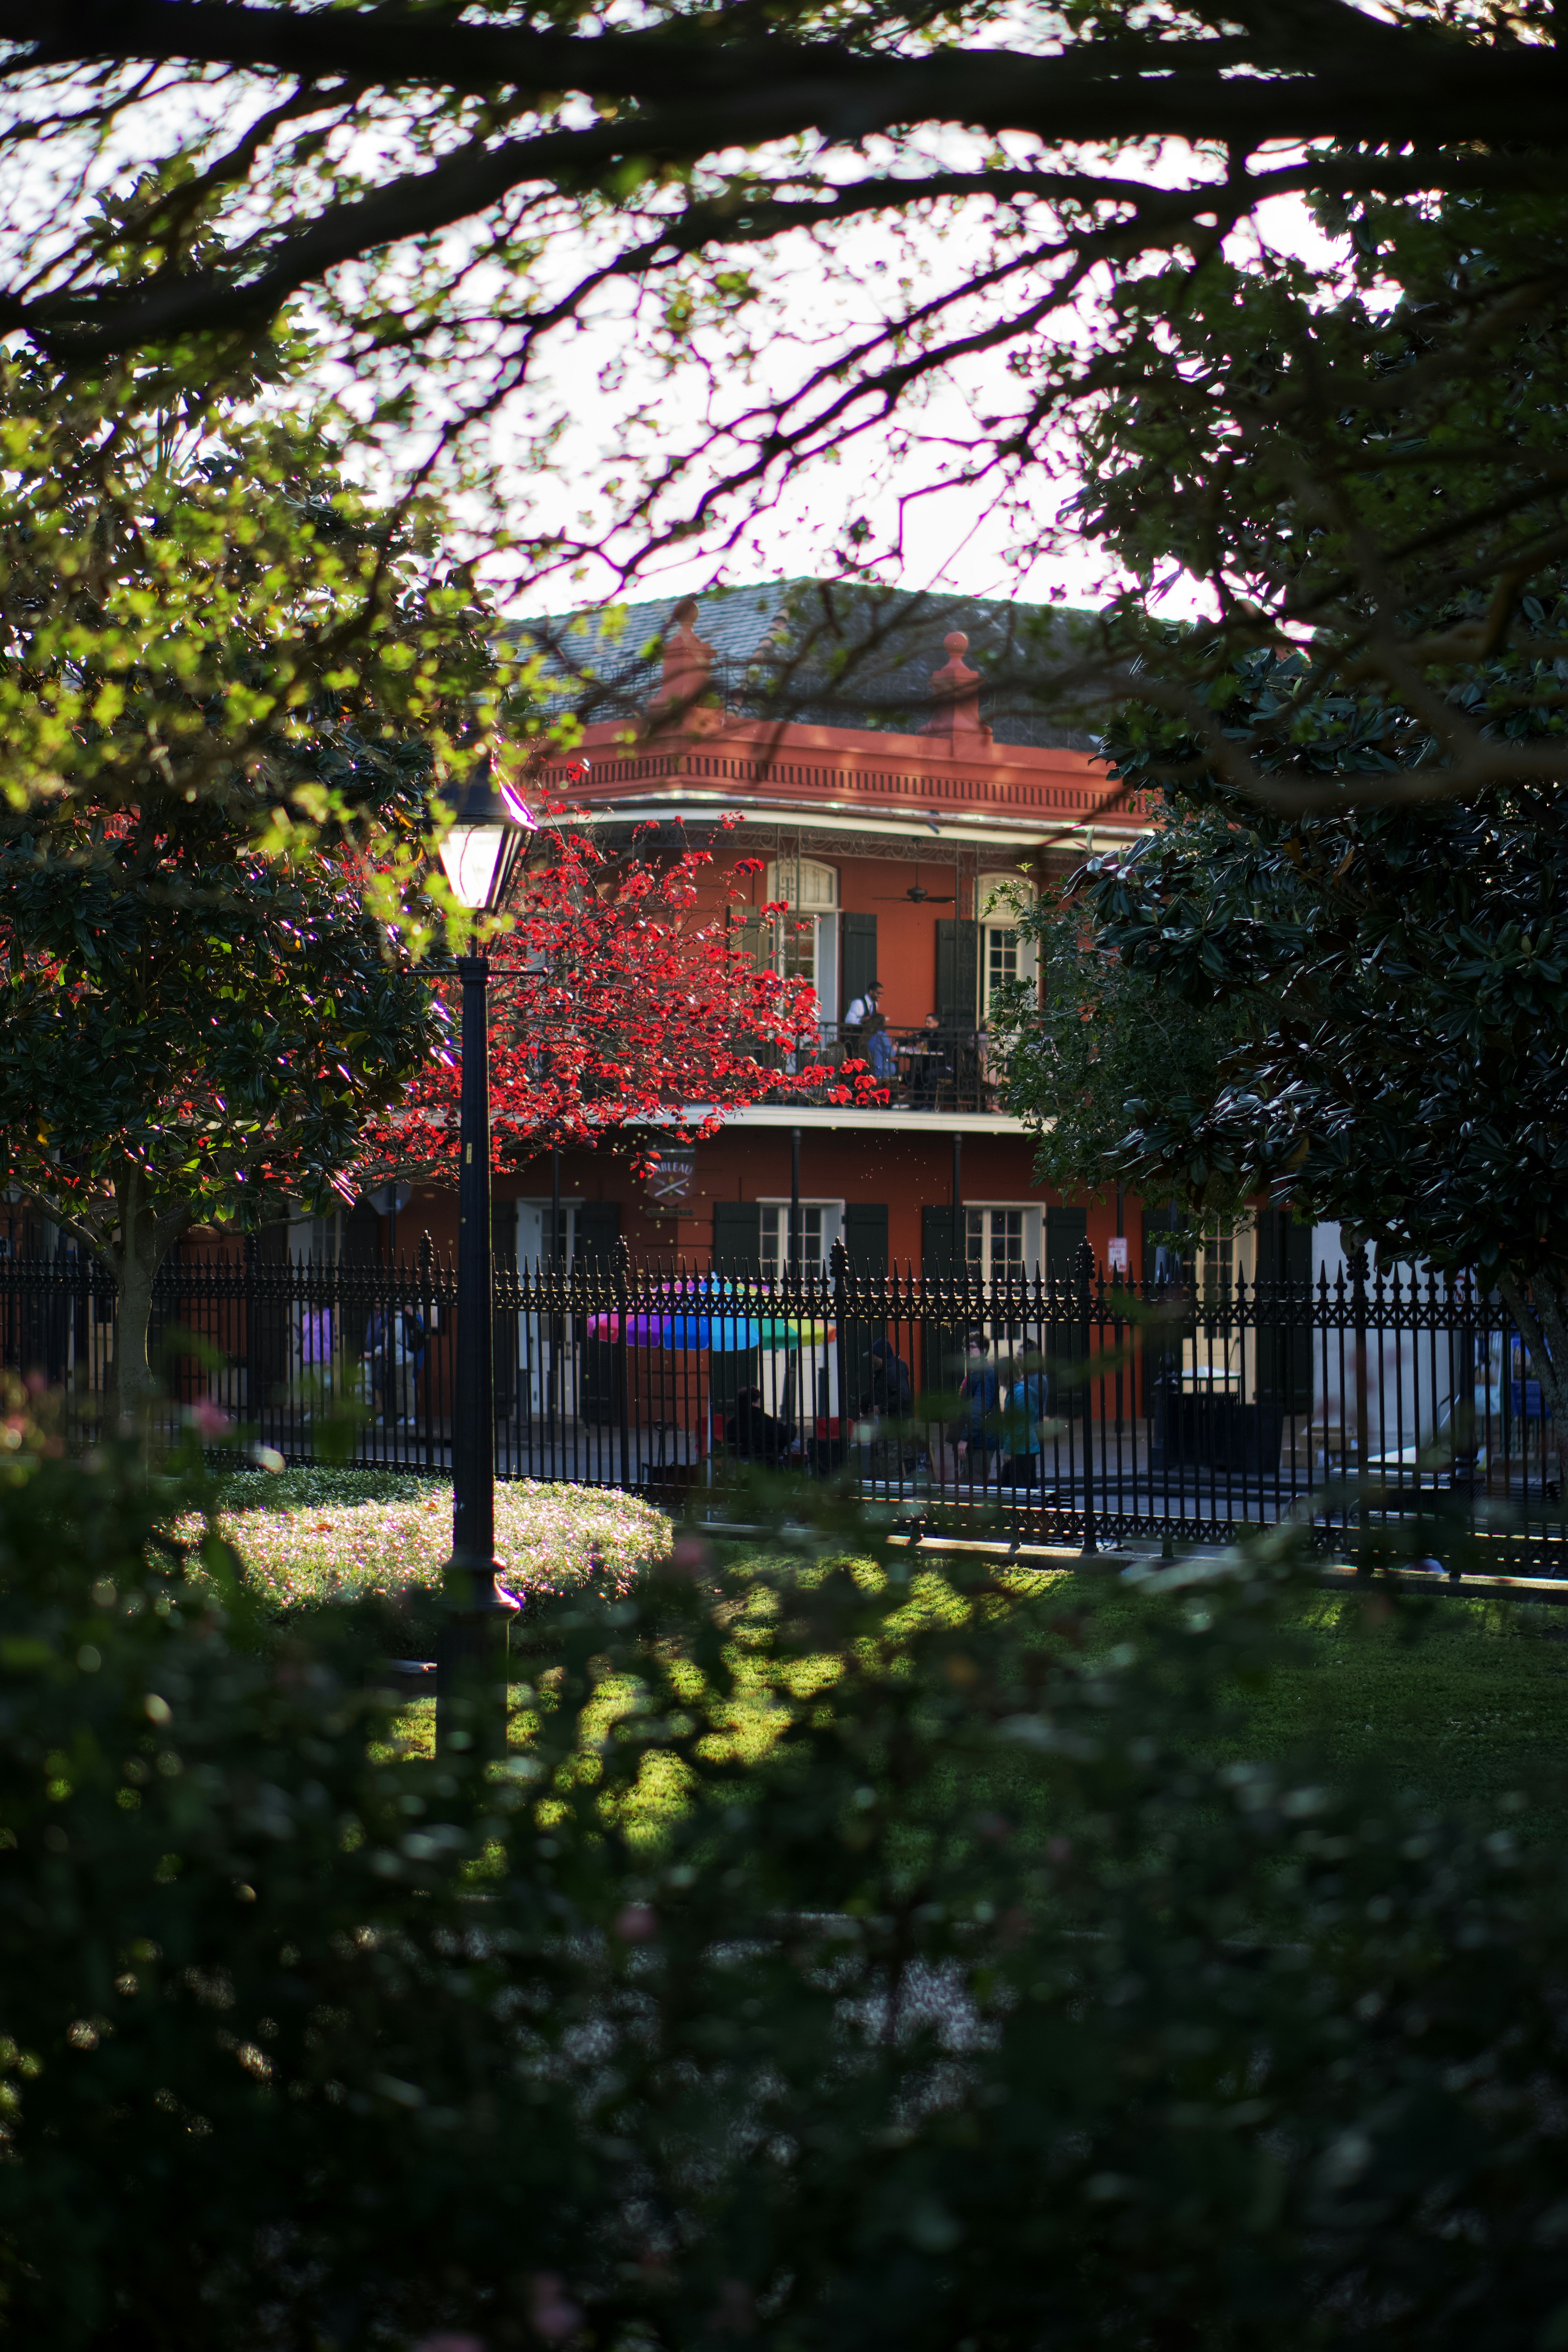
915	895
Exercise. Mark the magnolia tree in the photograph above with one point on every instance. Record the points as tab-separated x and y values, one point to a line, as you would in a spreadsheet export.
1392	985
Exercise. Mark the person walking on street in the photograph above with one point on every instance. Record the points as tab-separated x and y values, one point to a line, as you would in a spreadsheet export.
1027	1402
978	1444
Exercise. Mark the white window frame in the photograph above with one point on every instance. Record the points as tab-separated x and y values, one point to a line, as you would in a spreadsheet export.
537	1335
1212	1360
818	886
832	1225
1033	1217
818	905
530	1206
991	894
316	1241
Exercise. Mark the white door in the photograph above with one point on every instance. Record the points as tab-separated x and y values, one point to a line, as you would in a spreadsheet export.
546	1348
1416	1381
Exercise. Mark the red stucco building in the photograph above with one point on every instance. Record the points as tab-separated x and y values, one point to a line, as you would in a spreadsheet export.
903	855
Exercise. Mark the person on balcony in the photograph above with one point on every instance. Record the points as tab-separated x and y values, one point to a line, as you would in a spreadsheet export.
928	1066
859	1013
877	1046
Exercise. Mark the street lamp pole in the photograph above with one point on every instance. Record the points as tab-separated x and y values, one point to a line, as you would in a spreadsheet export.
480	853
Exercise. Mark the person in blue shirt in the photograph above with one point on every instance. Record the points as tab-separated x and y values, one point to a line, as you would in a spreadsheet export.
1027	1403
877	1047
978	1444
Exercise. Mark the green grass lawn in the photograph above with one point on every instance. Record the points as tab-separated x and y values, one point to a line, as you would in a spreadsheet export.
1465	1700
1452	1700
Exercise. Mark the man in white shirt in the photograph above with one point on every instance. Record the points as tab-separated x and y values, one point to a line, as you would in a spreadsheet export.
861	1009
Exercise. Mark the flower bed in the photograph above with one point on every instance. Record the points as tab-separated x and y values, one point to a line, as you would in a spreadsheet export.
321	1535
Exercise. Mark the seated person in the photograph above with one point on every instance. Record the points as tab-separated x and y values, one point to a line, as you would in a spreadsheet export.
927	1064
754	1434
888	1392
876	1045
888	1395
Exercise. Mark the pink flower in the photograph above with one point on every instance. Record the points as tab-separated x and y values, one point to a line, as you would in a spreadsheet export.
208	1419
635	1922
691	1555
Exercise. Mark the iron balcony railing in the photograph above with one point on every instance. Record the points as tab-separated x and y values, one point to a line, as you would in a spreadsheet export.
945	1066
1079	1409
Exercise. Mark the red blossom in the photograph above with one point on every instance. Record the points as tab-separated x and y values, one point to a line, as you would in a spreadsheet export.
619	1003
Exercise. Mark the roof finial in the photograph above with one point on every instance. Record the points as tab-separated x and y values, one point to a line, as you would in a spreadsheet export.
955	692
682	698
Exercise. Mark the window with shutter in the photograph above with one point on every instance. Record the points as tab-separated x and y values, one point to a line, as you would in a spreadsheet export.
957	973
857	935
737	1237
866	1236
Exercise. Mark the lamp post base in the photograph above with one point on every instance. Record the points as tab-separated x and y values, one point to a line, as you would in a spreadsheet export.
471	1671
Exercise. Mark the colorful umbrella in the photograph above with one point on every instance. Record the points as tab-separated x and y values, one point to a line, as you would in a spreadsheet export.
724	1332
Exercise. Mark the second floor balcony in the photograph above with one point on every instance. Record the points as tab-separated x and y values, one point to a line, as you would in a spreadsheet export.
934	1067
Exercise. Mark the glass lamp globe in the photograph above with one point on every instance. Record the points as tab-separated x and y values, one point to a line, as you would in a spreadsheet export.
480	848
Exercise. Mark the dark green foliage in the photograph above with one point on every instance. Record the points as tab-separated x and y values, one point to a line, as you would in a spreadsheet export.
850	1957
1103	1039
1399	978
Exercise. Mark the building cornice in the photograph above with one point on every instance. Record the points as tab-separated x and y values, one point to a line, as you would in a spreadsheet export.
970	831
841	779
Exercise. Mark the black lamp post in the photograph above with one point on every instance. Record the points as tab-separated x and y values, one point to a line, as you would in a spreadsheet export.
479	852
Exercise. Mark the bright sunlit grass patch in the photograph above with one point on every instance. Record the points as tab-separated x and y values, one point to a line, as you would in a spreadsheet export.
336	1535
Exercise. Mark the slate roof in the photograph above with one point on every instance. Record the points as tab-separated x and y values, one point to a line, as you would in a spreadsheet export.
824	653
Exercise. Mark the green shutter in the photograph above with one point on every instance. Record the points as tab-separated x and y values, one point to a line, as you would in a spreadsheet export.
1284	1338
602	1363
866	1236
757	941
941	1344
737	1249
857	955
737	1237
957	973
1066	1230
936	1255
1161	1340
598	1231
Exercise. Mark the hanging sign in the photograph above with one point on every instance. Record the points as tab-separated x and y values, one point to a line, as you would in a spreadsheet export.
1116	1254
670	1180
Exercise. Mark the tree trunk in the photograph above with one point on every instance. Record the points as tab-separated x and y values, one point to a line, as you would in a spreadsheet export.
1540	1308
145	1237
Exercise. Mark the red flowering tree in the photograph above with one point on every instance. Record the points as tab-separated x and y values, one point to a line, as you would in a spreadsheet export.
624	993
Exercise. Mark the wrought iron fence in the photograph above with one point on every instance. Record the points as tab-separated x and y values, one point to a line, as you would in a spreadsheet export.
1082	1409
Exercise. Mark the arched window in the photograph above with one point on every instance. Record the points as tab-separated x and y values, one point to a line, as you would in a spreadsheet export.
803	884
1006	954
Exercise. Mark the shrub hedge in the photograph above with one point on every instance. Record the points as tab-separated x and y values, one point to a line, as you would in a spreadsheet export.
851	1952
